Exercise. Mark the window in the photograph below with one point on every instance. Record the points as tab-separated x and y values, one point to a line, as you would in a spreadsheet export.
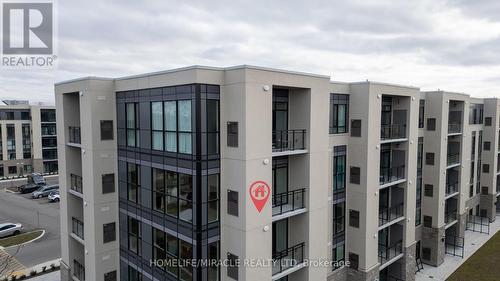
106	130
232	269
487	146
12	169
108	183
173	194
232	203
429	158
132	113
431	124
134	236
213	198
471	190
134	275
157	125
213	256
355	175
476	113
133	181
170	125
339	162
427	221
11	142
356	128
338	218
486	168
26	130
212	127
1	171
421	111
487	121
339	113
353	261
338	256
184	134
28	168
484	190
232	134
354	218
429	190
109	232
110	276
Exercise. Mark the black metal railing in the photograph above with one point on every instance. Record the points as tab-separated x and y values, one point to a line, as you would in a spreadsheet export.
453	158
450	216
76	183
454	128
387	214
75	135
78	271
390	174
289	140
288	258
77	227
386	253
454	245
451	188
288	201
393	131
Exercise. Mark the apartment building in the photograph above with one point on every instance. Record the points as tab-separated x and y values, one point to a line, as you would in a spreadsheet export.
28	141
279	175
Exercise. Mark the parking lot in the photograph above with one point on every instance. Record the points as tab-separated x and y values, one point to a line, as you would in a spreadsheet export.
32	214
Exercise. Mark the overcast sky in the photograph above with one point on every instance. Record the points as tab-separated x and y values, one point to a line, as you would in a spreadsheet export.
447	44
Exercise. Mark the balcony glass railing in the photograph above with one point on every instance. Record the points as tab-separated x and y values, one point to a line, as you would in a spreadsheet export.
453	158
288	258
393	131
77	228
289	140
76	183
75	135
450	216
386	253
288	201
388	214
451	188
454	128
390	174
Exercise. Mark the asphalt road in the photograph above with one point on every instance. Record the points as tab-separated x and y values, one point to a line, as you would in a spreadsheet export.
38	213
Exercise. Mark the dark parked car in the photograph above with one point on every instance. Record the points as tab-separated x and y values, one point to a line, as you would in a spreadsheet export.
30	187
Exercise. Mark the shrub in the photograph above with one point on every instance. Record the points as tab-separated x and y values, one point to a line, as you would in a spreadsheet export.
33	273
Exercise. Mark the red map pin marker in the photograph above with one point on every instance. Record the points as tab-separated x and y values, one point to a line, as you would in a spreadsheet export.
259	192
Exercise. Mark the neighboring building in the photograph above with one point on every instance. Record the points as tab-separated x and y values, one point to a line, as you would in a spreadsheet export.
28	141
162	166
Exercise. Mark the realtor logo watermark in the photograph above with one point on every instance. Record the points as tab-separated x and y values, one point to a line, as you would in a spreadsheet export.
28	35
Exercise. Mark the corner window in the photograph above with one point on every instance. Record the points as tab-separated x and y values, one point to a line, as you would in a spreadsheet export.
132	110
134	236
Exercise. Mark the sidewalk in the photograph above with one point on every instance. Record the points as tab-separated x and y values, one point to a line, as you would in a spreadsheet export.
39	268
473	241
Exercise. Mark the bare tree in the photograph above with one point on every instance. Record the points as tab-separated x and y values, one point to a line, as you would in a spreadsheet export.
7	261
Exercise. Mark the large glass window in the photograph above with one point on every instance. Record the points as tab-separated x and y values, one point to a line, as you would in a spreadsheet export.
170	108
339	163
175	252
476	113
173	194
338	256
338	218
185	145
421	112
27	141
133	182
213	256
132	124
134	236
157	125
11	142
213	198
212	127
339	113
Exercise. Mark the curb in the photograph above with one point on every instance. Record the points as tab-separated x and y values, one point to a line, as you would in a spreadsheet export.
27	242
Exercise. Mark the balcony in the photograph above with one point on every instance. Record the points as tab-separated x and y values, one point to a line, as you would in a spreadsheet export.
289	140
454	128
76	183
287	202
75	135
77	228
451	188
290	258
453	159
450	216
388	214
391	174
78	271
387	253
391	132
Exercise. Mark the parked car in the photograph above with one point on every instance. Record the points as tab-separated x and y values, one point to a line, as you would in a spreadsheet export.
54	196
30	187
8	228
44	191
36	178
